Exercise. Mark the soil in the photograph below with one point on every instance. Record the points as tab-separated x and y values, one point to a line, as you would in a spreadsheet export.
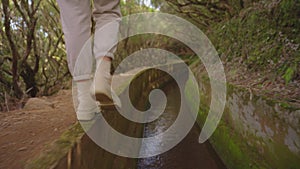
26	133
265	84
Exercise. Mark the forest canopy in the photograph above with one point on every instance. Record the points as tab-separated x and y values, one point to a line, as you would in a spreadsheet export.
261	35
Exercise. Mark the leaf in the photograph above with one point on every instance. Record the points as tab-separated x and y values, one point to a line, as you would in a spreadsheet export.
288	75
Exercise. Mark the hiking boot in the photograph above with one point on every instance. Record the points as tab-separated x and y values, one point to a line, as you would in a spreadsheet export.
102	86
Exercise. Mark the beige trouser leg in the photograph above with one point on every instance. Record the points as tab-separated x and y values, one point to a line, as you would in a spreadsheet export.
106	14
76	23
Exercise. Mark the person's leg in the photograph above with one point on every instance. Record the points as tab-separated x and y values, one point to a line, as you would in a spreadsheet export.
76	24
107	16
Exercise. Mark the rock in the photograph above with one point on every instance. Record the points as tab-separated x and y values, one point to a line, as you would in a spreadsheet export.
37	104
64	92
22	149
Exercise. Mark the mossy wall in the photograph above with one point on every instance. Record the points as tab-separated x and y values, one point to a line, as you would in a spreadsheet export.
254	132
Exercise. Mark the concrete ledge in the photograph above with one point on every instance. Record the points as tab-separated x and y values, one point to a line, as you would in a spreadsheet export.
58	149
254	132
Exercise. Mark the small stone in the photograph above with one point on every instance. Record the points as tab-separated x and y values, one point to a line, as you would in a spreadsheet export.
22	149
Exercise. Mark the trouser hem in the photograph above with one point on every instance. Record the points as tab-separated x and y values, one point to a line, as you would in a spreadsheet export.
82	77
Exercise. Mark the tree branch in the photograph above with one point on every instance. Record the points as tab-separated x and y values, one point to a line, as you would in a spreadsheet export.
15	54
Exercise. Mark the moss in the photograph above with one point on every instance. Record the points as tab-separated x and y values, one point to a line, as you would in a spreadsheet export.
227	146
281	157
236	151
282	103
231	147
226	143
58	149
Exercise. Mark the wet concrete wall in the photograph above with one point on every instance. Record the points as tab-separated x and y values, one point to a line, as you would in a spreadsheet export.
254	132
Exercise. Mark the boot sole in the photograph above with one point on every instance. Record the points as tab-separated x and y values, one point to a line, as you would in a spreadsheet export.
106	103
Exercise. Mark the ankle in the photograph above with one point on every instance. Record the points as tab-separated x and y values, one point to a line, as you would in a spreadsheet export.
107	58
104	59
103	67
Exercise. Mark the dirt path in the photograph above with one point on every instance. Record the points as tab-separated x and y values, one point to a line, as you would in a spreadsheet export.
25	133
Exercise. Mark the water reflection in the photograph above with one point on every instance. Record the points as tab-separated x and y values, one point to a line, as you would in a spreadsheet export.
188	154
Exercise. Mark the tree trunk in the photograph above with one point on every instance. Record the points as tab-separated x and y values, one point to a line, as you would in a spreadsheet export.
15	55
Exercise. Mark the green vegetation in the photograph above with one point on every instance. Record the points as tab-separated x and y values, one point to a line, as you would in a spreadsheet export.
32	54
260	36
256	38
264	38
237	149
251	36
58	149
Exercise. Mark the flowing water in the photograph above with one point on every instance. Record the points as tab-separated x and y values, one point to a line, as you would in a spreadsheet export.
189	153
